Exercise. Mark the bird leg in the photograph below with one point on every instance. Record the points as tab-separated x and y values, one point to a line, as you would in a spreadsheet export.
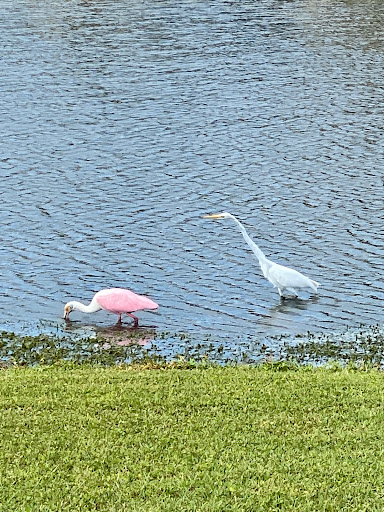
293	291
136	320
287	293
119	320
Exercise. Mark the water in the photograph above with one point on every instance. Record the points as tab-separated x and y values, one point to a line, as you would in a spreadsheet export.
122	123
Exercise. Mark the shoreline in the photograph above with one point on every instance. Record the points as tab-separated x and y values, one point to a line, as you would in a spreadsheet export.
363	346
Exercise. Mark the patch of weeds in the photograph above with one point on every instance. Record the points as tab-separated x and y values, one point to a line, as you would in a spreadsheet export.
360	347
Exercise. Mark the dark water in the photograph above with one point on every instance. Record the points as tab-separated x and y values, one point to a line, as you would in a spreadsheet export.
123	122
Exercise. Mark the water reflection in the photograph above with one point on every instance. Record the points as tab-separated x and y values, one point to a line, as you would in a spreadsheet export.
118	334
364	36
292	306
289	313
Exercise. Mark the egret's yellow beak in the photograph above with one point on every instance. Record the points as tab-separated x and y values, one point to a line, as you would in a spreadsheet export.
66	313
214	216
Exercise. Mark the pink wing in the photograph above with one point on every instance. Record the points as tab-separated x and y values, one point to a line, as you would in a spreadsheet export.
119	300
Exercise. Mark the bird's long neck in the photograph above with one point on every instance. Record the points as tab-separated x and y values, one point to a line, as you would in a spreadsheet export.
256	250
91	308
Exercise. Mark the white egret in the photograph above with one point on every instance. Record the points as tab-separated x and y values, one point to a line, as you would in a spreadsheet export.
285	279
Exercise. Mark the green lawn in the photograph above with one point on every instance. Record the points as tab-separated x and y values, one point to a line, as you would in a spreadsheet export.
204	439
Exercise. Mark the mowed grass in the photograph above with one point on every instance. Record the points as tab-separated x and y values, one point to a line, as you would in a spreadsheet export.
204	439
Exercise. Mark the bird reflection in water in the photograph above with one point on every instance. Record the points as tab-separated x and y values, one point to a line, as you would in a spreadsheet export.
288	312
294	305
118	334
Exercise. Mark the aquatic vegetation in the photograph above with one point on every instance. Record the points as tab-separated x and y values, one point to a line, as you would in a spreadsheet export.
355	346
48	349
364	346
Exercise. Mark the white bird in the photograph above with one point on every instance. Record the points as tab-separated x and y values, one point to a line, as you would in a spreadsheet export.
285	279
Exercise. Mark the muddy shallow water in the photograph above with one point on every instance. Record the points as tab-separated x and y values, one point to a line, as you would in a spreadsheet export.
124	122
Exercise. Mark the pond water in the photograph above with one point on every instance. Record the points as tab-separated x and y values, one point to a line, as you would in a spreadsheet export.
123	122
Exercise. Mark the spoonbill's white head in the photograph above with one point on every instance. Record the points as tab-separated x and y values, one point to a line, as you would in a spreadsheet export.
67	309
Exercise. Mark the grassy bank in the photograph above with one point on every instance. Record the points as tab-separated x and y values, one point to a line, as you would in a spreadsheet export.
208	439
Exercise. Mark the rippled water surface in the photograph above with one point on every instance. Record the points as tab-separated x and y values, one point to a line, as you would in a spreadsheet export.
123	122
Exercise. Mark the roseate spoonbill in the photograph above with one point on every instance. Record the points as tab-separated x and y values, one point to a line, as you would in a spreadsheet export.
115	300
285	279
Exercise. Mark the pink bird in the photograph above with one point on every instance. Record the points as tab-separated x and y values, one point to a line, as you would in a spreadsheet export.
115	300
